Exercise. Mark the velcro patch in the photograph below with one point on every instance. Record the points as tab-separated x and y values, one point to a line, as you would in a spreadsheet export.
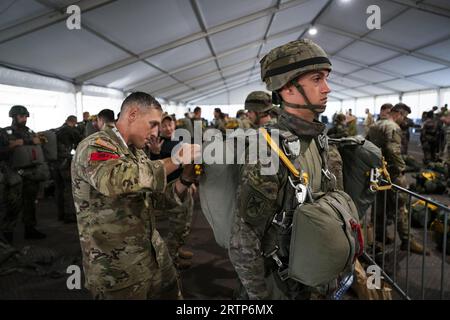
103	156
104	144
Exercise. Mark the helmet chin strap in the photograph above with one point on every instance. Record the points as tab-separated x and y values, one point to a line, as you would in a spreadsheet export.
316	108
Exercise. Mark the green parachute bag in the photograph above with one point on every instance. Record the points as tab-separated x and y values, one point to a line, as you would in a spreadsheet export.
437	228
326	239
359	158
418	212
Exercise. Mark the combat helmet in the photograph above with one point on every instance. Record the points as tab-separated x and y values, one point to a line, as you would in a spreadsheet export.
258	101
18	110
284	64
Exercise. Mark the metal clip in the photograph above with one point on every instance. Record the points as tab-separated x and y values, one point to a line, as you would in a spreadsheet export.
282	222
300	191
327	173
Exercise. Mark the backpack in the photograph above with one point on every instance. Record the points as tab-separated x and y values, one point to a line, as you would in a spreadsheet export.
362	170
321	233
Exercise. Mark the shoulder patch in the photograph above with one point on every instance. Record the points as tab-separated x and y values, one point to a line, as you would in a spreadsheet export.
102	143
103	156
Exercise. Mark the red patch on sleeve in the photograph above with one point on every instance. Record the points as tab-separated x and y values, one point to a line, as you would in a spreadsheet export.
103	156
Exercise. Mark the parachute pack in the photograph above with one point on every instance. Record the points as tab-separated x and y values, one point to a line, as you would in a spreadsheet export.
325	235
364	170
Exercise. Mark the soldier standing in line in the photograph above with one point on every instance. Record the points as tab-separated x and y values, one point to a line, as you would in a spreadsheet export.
386	134
22	189
429	138
258	105
297	73
68	138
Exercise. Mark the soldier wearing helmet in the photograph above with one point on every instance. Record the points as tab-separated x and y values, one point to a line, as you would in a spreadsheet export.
258	105
21	190
296	73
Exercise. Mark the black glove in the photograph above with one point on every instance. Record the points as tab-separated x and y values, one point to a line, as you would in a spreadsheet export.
188	176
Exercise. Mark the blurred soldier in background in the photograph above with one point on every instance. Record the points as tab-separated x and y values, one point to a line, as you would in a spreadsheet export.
242	118
105	117
404	126
68	138
351	123
219	120
198	117
386	134
258	105
22	174
81	126
180	217
368	121
339	130
429	138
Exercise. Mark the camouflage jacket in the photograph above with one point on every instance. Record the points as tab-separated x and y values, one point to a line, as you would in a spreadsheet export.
260	197
116	189
386	134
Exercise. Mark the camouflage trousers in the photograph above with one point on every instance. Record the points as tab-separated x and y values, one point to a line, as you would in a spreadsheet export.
63	191
20	198
429	151
180	219
402	213
164	281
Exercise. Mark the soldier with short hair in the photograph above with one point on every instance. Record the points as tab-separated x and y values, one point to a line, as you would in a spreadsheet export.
22	187
297	75
105	117
386	134
68	138
258	105
116	189
429	138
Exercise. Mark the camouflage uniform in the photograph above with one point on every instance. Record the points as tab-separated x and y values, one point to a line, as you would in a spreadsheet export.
116	189
260	197
368	122
21	196
180	217
386	134
259	102
406	124
340	129
428	138
67	140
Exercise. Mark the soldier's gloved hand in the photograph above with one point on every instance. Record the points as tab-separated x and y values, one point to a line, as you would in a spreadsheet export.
15	143
186	153
188	176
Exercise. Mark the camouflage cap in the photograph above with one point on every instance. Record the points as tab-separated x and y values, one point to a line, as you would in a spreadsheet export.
285	63
258	101
18	110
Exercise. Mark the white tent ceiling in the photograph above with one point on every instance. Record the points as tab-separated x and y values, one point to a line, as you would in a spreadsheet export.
208	51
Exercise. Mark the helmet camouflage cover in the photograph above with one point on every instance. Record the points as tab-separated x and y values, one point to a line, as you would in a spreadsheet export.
258	101
18	110
289	61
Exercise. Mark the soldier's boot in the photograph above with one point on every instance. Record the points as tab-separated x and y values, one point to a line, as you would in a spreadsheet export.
32	233
8	236
415	247
185	254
